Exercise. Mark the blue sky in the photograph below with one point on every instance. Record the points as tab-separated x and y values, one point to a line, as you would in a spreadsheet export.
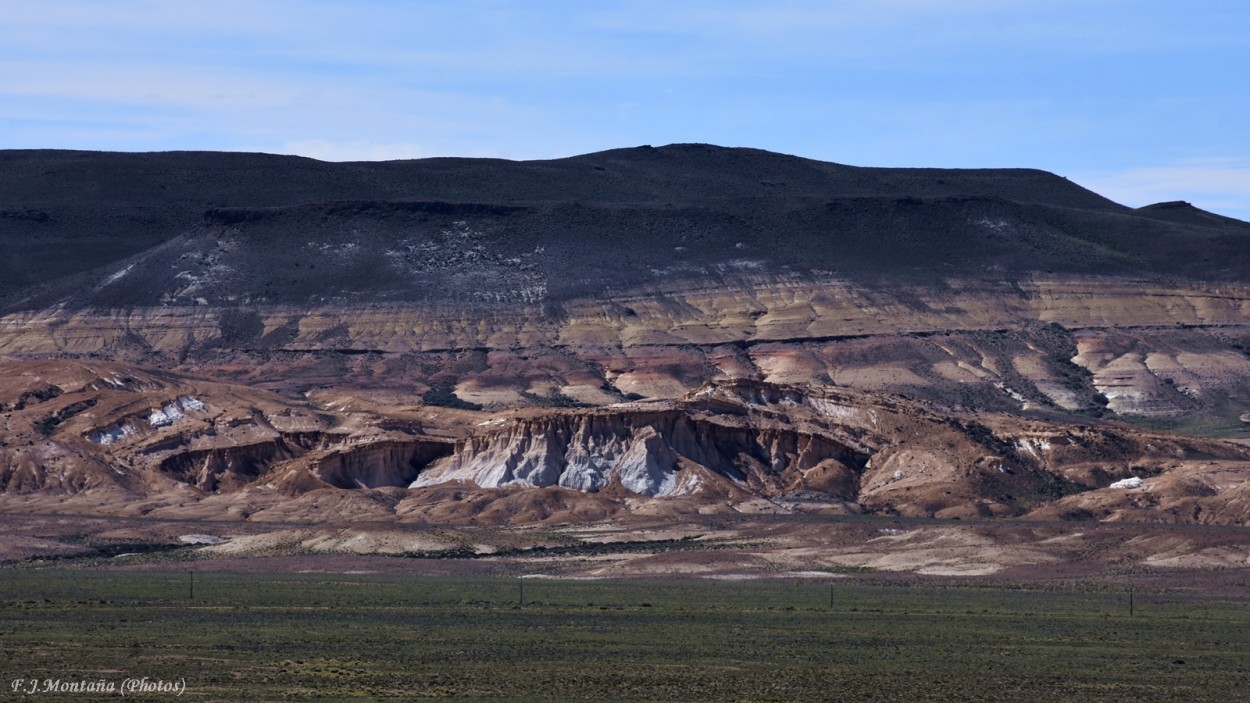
1141	100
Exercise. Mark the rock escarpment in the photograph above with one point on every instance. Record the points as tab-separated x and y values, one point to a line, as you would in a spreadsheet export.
1174	351
127	441
637	271
647	451
723	329
804	448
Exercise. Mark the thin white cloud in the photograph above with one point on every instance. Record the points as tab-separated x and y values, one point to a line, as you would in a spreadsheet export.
783	16
879	29
1219	185
235	16
119	83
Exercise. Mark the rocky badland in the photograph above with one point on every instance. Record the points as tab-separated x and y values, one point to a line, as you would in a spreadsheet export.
651	334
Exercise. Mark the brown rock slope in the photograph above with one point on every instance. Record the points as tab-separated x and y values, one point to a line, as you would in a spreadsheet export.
1173	351
111	439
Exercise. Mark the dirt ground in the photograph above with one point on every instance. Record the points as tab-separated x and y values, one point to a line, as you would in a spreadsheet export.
1196	558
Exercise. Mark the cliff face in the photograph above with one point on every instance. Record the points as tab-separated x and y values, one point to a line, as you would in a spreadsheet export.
705	313
1153	349
651	452
377	464
791	445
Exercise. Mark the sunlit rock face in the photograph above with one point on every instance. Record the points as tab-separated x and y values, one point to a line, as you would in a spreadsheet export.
1076	345
733	445
582	453
779	441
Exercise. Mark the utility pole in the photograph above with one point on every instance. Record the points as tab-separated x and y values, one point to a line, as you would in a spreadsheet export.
520	582
191	582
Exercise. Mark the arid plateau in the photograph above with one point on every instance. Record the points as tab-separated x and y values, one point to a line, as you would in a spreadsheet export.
685	360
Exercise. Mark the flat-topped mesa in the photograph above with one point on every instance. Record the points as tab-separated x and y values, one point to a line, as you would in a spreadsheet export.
714	328
230	222
654	268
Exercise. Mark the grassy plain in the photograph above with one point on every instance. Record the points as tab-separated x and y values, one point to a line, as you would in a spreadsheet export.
305	637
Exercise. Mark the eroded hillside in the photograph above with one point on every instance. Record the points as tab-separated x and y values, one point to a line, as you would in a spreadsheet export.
669	331
111	439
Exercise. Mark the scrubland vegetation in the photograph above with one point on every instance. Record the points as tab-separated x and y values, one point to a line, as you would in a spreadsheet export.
384	637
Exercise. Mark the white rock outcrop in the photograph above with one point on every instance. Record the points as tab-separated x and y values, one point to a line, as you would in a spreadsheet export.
586	457
173	411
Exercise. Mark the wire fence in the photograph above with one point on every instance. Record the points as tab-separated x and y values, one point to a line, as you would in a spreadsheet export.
835	595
